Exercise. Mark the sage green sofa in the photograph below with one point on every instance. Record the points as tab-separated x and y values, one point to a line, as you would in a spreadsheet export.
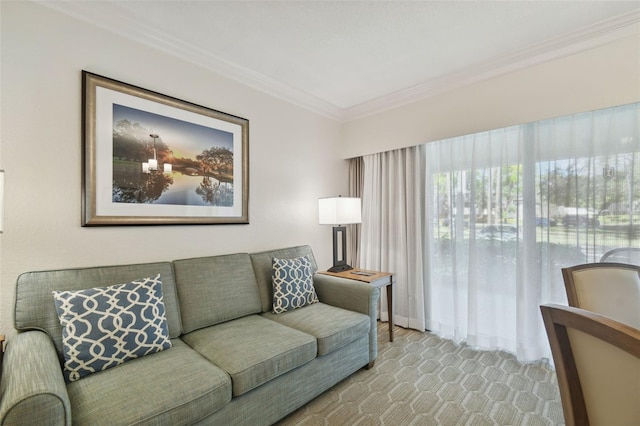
232	361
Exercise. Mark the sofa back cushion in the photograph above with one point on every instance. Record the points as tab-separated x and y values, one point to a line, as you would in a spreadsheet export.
35	308
215	289
262	266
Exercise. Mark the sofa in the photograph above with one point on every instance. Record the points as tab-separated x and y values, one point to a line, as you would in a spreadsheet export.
229	360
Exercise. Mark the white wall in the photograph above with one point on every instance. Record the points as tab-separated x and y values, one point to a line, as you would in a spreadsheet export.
293	154
597	78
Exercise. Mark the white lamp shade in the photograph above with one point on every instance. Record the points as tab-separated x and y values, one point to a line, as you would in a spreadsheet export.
339	211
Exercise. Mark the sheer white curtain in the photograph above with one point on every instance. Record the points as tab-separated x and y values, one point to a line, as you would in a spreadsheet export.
392	231
481	288
509	208
478	227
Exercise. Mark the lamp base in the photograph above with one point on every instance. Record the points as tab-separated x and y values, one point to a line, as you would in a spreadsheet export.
340	268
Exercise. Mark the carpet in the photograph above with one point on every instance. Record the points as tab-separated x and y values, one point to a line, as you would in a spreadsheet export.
421	379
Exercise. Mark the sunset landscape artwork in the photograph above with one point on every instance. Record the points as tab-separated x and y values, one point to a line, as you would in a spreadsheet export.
151	159
199	159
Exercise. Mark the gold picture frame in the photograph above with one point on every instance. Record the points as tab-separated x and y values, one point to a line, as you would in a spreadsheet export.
151	159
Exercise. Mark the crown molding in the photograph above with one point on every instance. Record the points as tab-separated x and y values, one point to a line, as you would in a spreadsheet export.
587	38
113	18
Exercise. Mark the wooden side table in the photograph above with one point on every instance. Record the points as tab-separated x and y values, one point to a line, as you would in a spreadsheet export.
375	279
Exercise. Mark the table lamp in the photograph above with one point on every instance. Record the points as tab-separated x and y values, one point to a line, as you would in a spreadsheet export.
339	211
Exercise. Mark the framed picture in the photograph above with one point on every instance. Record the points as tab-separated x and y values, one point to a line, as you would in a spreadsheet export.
150	159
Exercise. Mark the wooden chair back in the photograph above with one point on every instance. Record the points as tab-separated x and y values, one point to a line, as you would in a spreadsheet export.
610	289
597	362
630	255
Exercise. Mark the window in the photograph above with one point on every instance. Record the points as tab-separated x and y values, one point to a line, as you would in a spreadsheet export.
507	209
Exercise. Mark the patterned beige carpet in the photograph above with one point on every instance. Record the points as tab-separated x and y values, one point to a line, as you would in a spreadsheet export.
421	379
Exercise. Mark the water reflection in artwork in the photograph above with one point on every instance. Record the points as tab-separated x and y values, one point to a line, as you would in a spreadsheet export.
162	160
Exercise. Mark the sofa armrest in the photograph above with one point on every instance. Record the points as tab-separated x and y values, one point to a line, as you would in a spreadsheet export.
32	387
355	296
347	294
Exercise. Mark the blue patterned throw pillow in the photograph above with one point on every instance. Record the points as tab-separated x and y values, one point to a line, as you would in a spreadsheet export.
292	284
105	326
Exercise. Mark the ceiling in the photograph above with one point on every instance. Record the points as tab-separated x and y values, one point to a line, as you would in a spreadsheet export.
348	59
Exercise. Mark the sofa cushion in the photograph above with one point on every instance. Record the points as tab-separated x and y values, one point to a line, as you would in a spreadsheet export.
292	284
332	327
215	289
262	263
176	386
106	326
253	350
35	310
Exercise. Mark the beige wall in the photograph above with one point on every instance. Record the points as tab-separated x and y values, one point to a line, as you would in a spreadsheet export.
597	78
293	154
